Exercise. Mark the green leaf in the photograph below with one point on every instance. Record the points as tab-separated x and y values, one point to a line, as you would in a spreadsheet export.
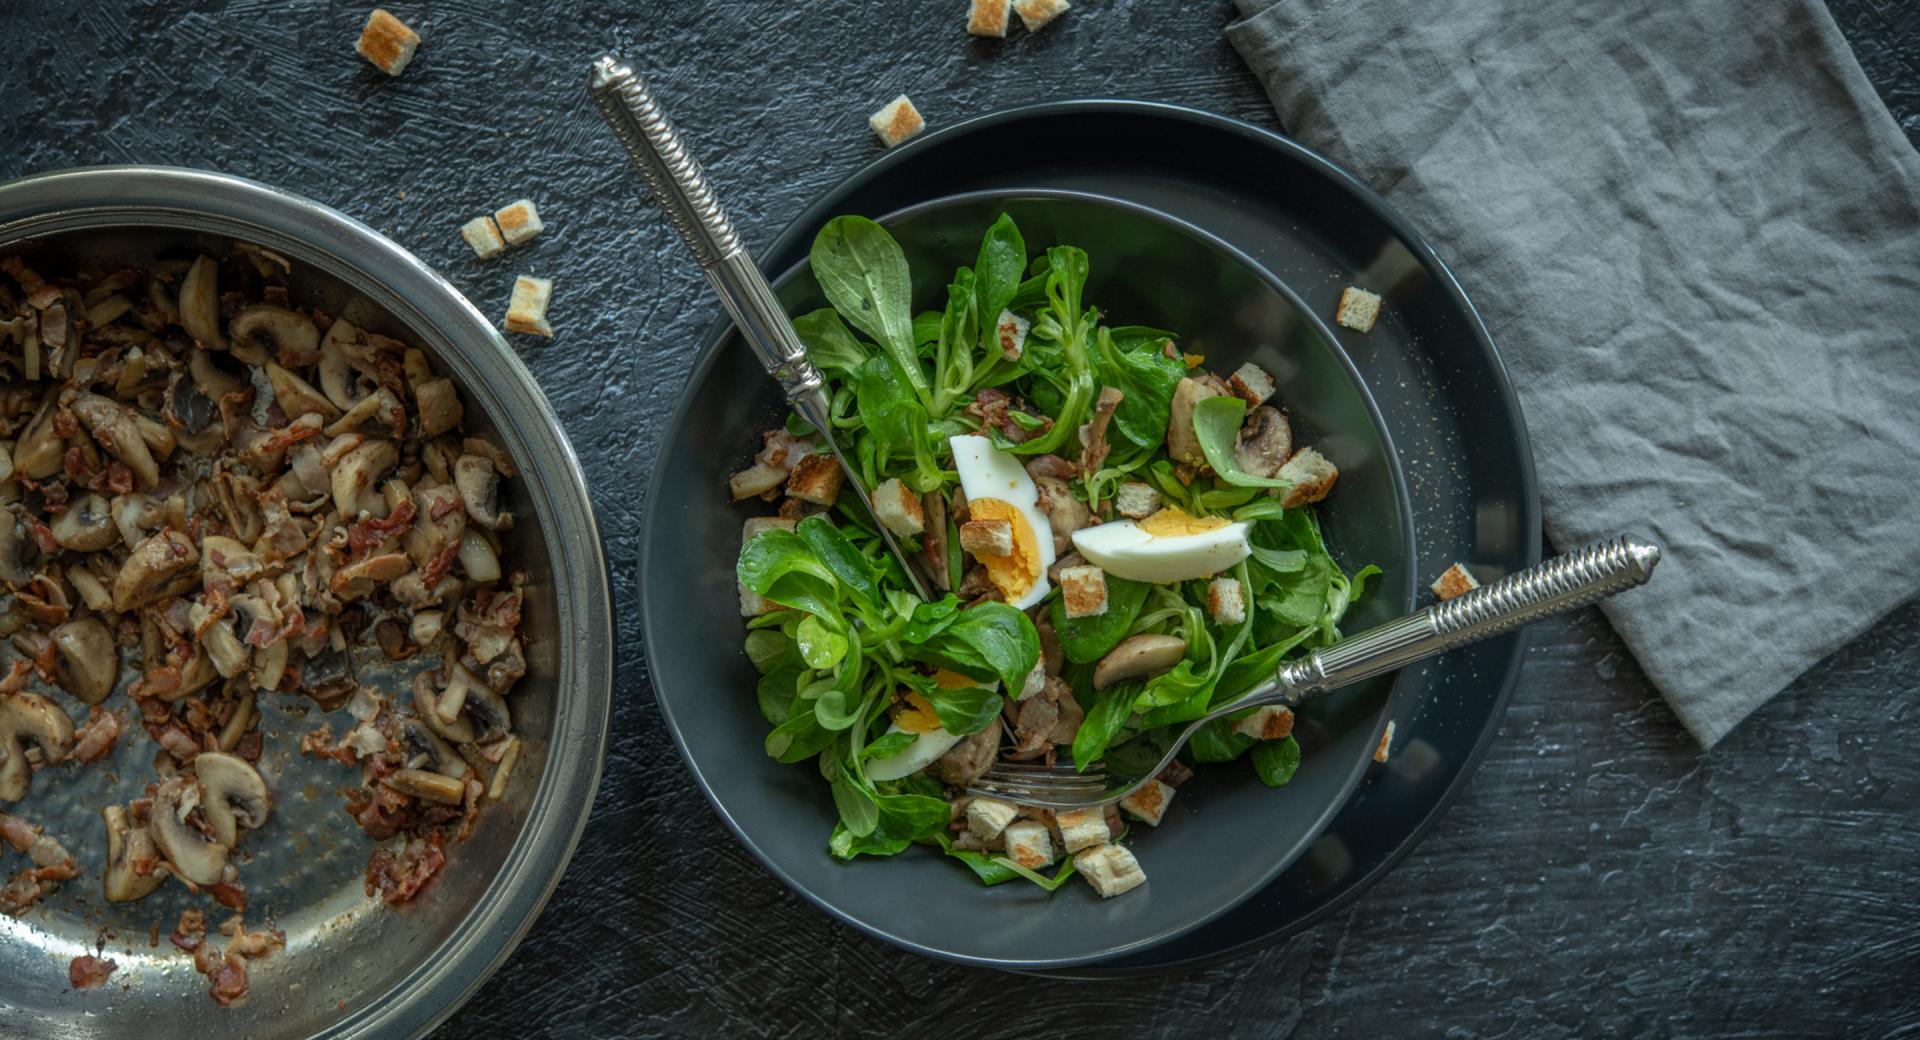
964	711
1216	422
903	819
837	710
779	566
820	647
799	738
887	745
864	275
859	811
1111	708
926	327
998	870
767	649
1275	760
1003	257
1004	638
776	690
1089	638
1146	376
853	571
1217	742
830	345
1281	561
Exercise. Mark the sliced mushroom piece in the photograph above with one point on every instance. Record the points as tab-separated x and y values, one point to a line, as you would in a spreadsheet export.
297	397
479	485
91	587
86	525
40	452
1265	442
192	415
158	437
238	723
30	717
438	521
197	859
426	626
336	370
966	761
355	478
88	662
360	578
127	846
112	424
440	407
293	335
222	555
433	787
380	403
156	568
232	795
13	550
200	303
1182	443
478	558
1137	657
426	703
134	514
230	657
425	749
269	666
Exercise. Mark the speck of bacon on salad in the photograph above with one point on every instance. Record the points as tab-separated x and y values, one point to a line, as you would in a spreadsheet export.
1122	541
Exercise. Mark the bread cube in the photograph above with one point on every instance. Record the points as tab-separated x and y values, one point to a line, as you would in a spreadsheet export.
898	508
896	121
387	42
1358	309
816	478
519	221
1272	722
1136	501
1083	591
989	18
987	817
484	236
1454	581
756	524
1110	869
1251	384
1226	601
1028	843
1312	477
987	537
1082	828
527	311
1037	14
1380	753
1149	803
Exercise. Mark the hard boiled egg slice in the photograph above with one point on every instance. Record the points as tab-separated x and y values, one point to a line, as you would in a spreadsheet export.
930	741
1169	546
998	488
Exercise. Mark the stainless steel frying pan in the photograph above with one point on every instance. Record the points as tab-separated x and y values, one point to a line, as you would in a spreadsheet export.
352	967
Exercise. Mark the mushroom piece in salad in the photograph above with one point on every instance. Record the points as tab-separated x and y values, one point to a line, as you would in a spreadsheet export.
1123	541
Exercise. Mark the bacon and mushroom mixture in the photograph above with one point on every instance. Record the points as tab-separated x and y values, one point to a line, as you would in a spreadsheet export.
232	494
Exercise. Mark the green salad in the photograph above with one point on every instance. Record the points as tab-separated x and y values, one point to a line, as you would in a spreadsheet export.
1122	540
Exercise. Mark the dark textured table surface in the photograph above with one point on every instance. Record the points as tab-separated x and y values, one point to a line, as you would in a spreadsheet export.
1600	876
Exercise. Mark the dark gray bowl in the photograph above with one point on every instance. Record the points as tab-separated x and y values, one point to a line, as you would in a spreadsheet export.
1227	835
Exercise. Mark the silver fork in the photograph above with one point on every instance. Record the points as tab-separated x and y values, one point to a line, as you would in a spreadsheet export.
1555	586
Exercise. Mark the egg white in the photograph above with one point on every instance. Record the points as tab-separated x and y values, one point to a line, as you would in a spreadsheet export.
988	472
926	748
1124	549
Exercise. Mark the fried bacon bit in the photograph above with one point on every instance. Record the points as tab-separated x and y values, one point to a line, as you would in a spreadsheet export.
380	810
52	864
95	740
1093	436
437	568
190	932
368	533
229	980
398	877
65	423
87	971
228	971
994	409
231	895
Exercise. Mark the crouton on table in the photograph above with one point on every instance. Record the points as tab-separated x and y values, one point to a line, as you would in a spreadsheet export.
387	42
896	121
989	18
527	311
484	236
519	221
1037	14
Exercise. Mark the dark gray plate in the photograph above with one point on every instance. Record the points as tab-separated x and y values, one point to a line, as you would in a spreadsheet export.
1430	364
1227	836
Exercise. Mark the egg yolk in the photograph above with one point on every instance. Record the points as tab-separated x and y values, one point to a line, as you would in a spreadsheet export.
916	715
1016	572
1173	521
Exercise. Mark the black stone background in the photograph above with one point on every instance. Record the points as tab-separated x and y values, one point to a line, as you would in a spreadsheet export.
1601	875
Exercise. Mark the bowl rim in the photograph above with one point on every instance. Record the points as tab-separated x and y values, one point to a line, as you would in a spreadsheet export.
47	204
720	334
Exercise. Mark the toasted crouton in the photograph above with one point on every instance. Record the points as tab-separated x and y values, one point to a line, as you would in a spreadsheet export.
1251	384
1454	581
527	311
1083	591
1036	14
896	121
484	236
1380	753
757	479
1082	828
387	42
987	538
989	18
987	817
1110	869
1269	723
1312	477
519	221
1149	803
1028	844
897	507
1011	330
1358	309
756	524
816	478
1226	601
1136	501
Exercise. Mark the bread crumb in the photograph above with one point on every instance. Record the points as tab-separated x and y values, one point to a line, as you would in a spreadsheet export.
1380	753
519	221
989	18
387	42
1454	581
1037	14
527	311
484	236
1358	309
896	121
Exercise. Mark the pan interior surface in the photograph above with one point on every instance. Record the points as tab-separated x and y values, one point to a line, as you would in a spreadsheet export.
1226	834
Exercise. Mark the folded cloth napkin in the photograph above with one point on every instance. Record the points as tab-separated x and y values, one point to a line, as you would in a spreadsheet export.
1695	232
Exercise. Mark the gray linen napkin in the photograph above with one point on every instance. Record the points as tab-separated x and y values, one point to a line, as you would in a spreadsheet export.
1695	232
